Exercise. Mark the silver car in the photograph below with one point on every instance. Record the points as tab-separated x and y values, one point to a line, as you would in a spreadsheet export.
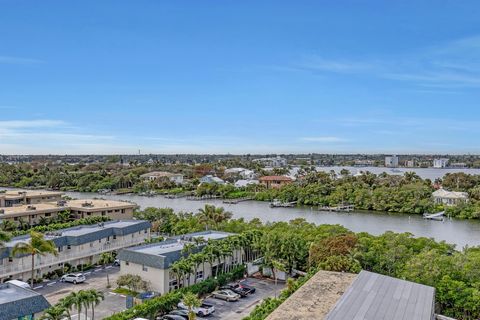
227	295
73	278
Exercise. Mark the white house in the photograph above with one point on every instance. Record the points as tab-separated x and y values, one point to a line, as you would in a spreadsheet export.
440	163
159	175
211	179
449	198
243	183
391	161
242	172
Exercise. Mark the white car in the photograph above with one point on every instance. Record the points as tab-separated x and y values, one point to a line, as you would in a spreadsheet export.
73	278
204	310
226	294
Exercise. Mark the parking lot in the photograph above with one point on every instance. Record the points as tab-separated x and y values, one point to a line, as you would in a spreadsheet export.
95	279
239	309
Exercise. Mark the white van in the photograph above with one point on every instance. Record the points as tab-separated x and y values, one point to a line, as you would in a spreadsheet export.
19	283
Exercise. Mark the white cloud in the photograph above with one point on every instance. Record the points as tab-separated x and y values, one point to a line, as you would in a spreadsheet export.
18	60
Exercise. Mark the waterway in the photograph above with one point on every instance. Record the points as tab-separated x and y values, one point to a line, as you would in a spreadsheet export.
459	232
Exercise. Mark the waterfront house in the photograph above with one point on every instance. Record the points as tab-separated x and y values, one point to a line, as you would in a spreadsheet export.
20	303
244	183
10	198
76	245
159	176
275	181
366	296
240	172
211	179
449	198
440	163
153	261
33	214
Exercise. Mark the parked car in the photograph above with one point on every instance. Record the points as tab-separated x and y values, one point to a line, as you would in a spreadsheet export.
116	263
245	285
180	312
204	310
227	295
239	289
73	278
172	317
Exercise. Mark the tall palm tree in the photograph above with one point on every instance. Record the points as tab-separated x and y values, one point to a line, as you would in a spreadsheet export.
66	303
95	297
177	270
57	312
74	300
37	245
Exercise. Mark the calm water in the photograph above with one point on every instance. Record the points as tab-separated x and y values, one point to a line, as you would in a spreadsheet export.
459	232
430	173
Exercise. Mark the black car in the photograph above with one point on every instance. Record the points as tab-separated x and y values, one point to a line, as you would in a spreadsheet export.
180	312
240	289
244	285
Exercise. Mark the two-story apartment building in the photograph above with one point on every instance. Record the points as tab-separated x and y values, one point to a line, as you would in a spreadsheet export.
32	214
10	198
153	261
77	245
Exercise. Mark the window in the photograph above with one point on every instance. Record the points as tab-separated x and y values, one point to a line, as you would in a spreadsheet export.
103	213
99	240
114	237
91	244
127	263
123	210
144	268
60	249
145	231
69	247
199	275
10	259
48	214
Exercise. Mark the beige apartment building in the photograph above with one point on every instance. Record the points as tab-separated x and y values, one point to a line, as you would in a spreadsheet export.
153	261
10	198
34	213
77	245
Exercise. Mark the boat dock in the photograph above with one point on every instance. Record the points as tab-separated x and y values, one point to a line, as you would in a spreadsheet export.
340	208
204	197
235	201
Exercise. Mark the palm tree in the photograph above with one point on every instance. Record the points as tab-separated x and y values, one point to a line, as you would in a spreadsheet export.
177	270
66	303
107	257
197	259
191	301
4	237
37	245
95	298
57	312
74	299
8	225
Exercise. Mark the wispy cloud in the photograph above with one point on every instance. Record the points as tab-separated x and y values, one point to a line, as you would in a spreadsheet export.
18	60
42	123
454	64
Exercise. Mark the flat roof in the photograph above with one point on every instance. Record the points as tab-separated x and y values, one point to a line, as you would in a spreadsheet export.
14	194
17	302
374	296
315	298
93	205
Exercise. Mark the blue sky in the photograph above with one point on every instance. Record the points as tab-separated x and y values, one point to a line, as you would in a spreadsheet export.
239	76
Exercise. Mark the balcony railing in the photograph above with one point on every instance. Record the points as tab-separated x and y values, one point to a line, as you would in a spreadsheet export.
15	267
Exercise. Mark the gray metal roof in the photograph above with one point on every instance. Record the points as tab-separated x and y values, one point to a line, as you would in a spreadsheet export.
83	234
17	302
163	254
373	296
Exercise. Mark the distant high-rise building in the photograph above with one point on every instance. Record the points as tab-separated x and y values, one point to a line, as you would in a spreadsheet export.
440	163
391	161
